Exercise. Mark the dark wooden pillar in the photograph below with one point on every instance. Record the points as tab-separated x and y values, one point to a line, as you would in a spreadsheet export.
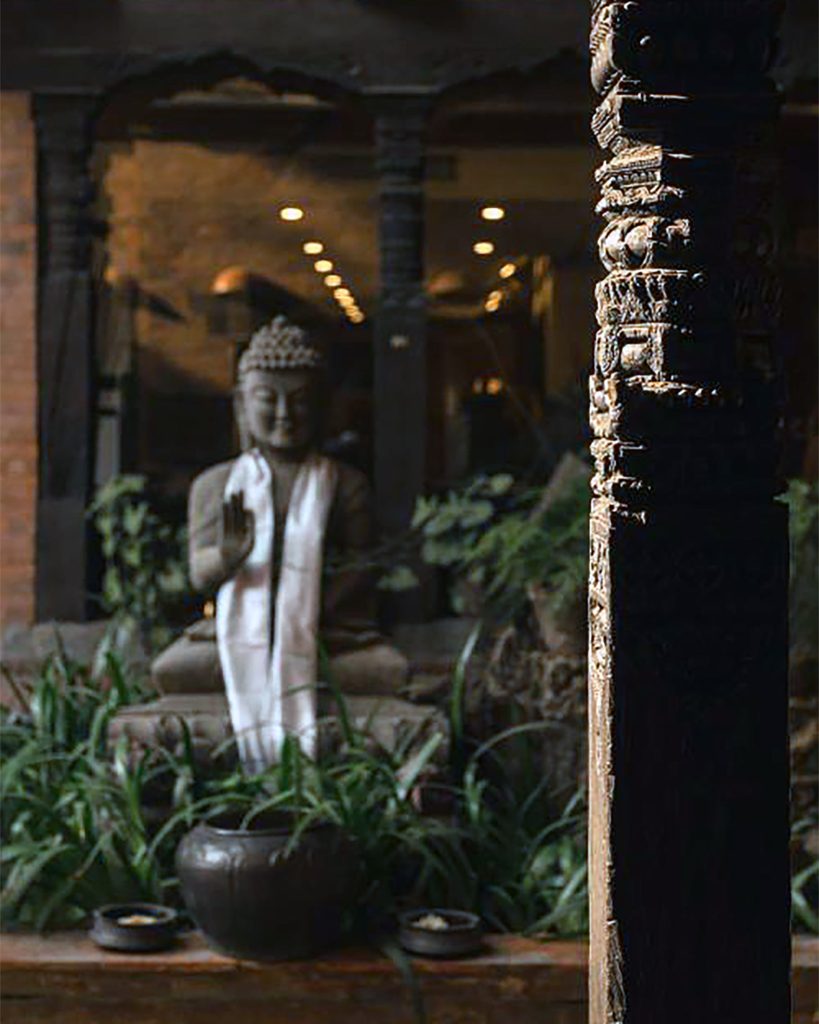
400	336
64	353
688	562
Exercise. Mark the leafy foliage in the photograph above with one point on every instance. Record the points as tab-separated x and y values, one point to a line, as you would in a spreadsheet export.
78	830
502	540
145	565
802	499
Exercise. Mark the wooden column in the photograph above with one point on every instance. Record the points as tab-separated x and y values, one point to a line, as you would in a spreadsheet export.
64	353
688	562
400	336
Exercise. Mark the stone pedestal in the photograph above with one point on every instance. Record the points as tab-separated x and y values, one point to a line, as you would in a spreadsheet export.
388	721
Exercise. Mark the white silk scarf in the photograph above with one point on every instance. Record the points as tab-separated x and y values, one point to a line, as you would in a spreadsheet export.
271	688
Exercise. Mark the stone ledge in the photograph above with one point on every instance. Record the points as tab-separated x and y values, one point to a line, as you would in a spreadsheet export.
63	977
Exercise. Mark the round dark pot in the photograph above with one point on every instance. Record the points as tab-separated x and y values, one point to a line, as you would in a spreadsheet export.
255	899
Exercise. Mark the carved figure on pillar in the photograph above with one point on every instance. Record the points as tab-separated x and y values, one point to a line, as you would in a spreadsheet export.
688	571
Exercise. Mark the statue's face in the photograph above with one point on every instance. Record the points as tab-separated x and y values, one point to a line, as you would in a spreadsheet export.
280	408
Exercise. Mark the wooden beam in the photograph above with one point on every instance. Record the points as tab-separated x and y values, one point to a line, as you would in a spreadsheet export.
400	398
688	562
64	354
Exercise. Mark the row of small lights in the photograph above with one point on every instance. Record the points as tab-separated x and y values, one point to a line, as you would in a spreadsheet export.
486	248
341	294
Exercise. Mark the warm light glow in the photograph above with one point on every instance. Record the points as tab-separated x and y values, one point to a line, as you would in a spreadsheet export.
357	317
231	279
507	270
477	386
312	248
291	213
346	301
209	609
332	280
341	293
491	305
483	248
494	386
495	296
323	266
493	213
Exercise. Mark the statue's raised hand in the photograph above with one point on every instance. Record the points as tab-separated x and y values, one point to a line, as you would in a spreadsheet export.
236	533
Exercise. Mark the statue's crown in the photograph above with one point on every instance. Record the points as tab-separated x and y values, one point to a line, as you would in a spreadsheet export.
280	345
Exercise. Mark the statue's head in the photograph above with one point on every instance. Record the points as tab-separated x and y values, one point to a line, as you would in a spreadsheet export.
278	388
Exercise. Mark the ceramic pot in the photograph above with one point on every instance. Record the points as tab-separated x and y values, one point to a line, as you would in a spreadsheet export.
254	898
134	927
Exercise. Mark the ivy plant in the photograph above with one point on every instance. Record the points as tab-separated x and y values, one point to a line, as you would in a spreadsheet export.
145	565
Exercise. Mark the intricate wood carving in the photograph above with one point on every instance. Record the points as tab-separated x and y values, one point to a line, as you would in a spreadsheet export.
688	671
65	353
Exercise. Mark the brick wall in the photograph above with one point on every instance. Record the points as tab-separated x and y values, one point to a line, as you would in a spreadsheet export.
18	383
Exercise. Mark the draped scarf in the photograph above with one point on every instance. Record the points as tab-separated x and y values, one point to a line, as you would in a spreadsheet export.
271	686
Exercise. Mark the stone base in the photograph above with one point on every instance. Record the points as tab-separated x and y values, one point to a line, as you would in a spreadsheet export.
389	722
191	666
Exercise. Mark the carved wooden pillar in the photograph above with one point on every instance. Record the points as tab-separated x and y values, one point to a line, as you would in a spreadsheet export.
65	353
688	561
400	336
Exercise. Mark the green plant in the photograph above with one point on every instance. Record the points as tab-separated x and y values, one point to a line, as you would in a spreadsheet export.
802	499
72	826
145	565
503	539
76	830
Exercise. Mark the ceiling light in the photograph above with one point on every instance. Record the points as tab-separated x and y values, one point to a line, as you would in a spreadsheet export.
483	248
341	293
493	213
291	213
507	270
332	280
323	266
494	386
491	305
346	301
495	296
357	317
312	248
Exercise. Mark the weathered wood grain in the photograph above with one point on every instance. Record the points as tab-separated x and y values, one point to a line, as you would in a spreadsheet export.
688	555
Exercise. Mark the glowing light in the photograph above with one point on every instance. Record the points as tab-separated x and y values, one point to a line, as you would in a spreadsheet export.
493	213
312	248
209	609
357	317
323	266
332	280
507	270
491	305
346	301
231	279
495	296
291	213
341	293
477	386
494	386
483	248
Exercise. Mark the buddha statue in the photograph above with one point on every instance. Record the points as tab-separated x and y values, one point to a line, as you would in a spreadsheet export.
280	535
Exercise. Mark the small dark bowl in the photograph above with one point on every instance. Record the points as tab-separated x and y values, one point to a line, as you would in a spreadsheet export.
463	937
160	933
